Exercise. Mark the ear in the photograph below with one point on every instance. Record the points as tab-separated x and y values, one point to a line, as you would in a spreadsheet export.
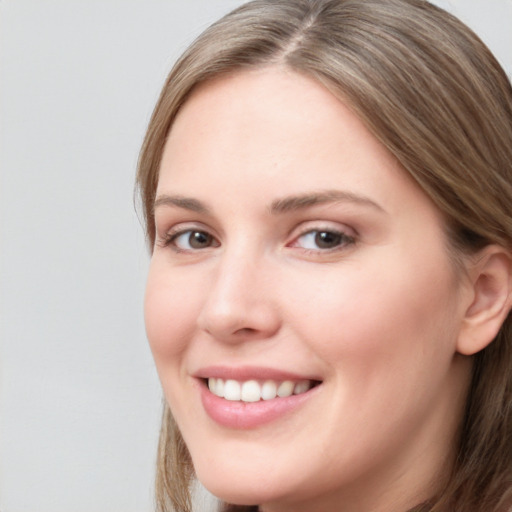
490	275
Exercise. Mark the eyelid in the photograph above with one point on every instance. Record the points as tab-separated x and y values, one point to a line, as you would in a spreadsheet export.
323	225
349	235
170	235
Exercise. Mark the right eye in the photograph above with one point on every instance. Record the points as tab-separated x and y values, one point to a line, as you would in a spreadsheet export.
191	240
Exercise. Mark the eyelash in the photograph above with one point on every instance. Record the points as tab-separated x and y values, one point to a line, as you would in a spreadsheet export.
344	240
171	237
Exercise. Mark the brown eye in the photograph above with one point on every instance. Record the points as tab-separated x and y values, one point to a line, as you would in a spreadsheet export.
199	240
327	239
318	240
193	240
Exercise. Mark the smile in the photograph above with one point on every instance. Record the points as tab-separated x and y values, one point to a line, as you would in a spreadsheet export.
254	391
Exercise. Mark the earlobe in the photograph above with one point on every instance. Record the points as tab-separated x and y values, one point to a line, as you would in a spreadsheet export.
491	285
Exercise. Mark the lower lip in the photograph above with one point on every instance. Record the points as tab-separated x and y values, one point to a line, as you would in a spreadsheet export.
247	415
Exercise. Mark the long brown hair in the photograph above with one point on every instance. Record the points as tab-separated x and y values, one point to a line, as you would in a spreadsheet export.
434	95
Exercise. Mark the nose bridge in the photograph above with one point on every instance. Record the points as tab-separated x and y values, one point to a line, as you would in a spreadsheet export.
239	302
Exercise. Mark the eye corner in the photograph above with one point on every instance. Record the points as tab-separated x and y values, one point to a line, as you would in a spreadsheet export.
189	239
323	239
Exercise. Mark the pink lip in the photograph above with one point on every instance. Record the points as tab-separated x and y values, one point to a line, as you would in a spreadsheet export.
243	373
244	415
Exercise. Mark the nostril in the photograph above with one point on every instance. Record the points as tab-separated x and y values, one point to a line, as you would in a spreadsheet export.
237	320
246	330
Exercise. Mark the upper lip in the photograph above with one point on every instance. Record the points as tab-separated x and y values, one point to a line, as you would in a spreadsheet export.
244	373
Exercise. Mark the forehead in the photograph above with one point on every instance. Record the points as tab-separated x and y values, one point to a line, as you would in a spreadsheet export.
274	108
278	131
270	96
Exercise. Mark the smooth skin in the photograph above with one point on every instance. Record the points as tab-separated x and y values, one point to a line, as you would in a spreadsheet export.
289	238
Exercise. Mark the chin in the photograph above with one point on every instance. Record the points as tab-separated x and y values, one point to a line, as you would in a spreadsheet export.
241	490
247	494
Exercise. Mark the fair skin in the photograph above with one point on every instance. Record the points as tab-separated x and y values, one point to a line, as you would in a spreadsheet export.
291	246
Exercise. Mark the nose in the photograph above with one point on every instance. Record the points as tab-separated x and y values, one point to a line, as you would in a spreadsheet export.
240	303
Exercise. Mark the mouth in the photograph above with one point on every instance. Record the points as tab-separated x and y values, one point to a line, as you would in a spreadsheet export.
249	397
250	391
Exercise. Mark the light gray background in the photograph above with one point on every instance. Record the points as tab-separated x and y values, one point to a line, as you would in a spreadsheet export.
79	397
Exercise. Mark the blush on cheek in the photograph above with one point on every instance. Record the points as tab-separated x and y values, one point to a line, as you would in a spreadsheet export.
372	317
165	323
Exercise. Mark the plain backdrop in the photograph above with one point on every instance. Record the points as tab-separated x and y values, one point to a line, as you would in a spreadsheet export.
79	397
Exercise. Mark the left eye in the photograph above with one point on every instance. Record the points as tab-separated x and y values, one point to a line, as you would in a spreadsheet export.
193	240
322	239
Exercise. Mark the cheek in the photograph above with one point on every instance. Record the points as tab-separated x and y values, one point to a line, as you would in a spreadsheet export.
170	308
363	317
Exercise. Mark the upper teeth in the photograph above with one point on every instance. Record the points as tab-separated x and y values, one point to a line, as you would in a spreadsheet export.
253	391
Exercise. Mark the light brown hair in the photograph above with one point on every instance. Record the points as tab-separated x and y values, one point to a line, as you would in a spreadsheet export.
434	95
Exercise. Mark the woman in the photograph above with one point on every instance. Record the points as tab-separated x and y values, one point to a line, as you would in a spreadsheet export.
327	188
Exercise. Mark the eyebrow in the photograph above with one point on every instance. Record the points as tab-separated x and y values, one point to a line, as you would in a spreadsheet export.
187	203
282	205
299	202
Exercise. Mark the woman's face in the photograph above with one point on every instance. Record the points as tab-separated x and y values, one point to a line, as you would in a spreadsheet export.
301	271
